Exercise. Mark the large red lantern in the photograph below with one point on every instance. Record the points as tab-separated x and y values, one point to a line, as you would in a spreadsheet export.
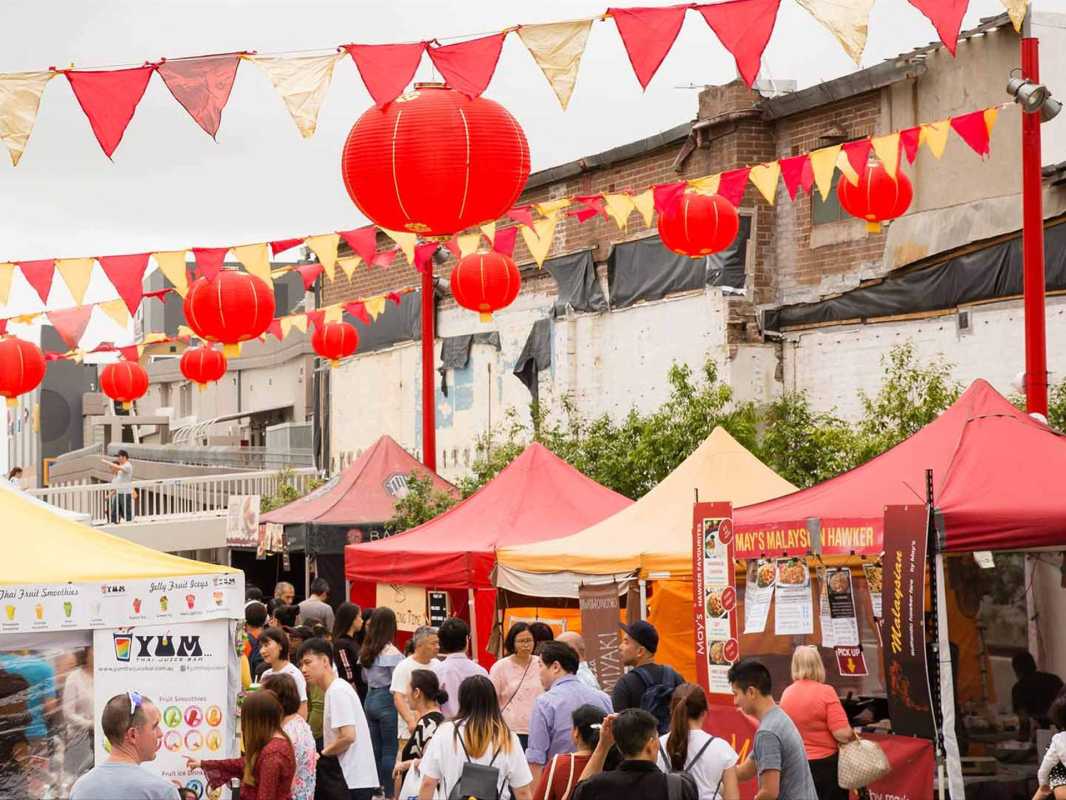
435	161
335	340
485	282
232	308
877	197
124	382
699	224
22	368
202	365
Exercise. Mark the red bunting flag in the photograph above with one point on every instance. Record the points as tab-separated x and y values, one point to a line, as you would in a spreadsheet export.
946	16
70	323
385	258
274	329
281	245
424	256
792	170
38	274
309	274
910	139
363	241
743	27
202	86
130	352
209	260
648	34
109	98
973	129
594	205
858	154
386	69
315	319
807	176
126	273
667	195
3	327
158	294
468	66
357	309
452	245
394	297
522	215
504	240
731	184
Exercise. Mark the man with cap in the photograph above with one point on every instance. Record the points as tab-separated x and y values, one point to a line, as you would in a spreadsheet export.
646	685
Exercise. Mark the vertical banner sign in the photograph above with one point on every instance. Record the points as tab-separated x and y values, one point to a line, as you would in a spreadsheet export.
242	521
910	705
715	597
600	613
183	670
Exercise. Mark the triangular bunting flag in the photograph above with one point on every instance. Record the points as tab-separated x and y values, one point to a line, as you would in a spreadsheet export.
315	320
274	329
386	69
845	167
109	98
648	34
384	258
424	256
504	240
468	243
707	185
117	310
348	265
1016	11
452	246
645	203
489	230
357	309
126	274
76	273
935	136
991	115
375	306
973	130
172	265
538	239
824	164
807	176
858	153
38	274
764	178
202	86
363	241
583	214
887	149
522	215
743	27
406	242
332	313
131	352
70	323
281	245
557	48
731	185
20	97
394	298
7	269
324	246
792	172
302	82
668	195
467	67
946	16
619	206
908	139
286	326
549	207
256	260
847	20
209	260
309	274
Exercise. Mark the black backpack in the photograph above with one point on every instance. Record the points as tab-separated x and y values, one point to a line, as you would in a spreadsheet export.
656	697
477	781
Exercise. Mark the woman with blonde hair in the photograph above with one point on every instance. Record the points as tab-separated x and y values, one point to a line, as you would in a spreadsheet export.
816	711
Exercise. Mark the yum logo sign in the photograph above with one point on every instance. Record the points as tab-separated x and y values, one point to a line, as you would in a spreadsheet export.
129	647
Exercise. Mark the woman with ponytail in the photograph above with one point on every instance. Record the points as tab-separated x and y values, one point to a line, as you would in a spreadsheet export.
689	748
425	698
560	776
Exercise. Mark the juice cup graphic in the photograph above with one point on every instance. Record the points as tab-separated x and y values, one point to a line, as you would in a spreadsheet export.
190	599
136	605
68	608
218	597
38	611
123	646
10	612
163	603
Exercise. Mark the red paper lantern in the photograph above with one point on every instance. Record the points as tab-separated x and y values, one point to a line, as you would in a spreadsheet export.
202	365
698	225
124	382
435	161
878	197
21	368
485	282
232	308
335	340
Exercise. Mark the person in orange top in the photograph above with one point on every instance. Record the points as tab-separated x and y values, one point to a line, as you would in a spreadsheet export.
816	711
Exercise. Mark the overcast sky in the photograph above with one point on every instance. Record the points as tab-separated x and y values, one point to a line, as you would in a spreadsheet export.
171	186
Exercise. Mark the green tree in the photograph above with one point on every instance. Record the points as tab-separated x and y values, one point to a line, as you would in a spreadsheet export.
422	503
802	446
286	491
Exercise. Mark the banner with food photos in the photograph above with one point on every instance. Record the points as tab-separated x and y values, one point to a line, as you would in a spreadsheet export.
715	596
794	609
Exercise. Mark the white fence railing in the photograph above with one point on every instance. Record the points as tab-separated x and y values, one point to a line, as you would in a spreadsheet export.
173	497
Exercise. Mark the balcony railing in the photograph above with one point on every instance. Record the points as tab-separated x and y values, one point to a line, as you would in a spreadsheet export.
168	498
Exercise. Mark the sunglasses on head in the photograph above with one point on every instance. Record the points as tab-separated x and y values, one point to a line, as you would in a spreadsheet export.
135	701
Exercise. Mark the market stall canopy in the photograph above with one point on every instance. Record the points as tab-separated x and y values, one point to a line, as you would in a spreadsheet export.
59	512
996	479
654	534
364	493
538	496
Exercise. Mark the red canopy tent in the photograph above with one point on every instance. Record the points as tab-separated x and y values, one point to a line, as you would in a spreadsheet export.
538	496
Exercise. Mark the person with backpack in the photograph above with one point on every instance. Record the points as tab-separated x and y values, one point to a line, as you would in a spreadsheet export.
561	774
689	748
475	755
647	685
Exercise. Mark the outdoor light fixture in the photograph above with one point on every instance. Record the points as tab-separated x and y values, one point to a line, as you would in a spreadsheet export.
1033	97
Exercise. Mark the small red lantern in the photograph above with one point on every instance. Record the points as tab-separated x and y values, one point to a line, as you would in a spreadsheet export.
124	382
22	368
435	161
335	340
485	282
232	308
202	365
878	197
699	224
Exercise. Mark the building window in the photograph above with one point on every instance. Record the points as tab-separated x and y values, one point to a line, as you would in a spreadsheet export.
164	395
828	210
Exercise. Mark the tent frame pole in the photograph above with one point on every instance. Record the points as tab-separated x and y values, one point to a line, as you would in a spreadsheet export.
470	596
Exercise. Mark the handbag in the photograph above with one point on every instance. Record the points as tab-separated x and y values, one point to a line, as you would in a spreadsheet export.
860	763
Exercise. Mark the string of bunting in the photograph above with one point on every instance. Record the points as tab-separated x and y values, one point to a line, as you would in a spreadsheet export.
202	84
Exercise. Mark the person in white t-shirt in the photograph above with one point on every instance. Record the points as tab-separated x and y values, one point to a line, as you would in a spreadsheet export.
345	733
479	735
426	645
689	748
274	648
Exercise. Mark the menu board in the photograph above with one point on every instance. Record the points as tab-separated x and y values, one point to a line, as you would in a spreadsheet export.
824	620
793	614
715	596
758	594
842	607
873	585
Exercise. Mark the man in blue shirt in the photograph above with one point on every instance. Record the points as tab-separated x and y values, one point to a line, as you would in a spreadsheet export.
552	718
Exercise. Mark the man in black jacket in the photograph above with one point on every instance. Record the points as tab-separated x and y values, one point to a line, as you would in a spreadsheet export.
637	649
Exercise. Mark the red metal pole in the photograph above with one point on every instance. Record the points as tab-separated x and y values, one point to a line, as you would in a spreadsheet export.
1033	240
429	420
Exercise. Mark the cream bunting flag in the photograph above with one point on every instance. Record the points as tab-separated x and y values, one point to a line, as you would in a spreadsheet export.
348	265
76	273
538	239
172	265
844	165
406	242
1016	11
557	48
707	185
20	97
298	321
324	246
619	207
186	331
991	115
468	243
489	229
935	136
302	82
764	177
6	271
823	165
645	203
550	207
847	20
375	306
334	313
256	260
887	149
117	310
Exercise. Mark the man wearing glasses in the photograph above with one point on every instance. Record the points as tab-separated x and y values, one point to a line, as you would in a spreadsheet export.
131	725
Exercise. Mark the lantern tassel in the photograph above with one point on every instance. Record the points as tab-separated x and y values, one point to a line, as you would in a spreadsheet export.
12	402
873	227
127	406
201	386
485	316
231	349
333	363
